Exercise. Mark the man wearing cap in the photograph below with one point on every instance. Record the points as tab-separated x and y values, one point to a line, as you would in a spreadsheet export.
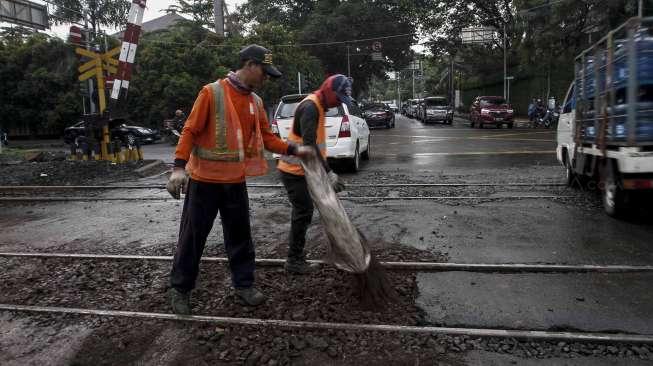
221	144
309	129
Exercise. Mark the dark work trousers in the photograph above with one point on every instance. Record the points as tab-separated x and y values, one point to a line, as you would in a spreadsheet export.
201	206
302	214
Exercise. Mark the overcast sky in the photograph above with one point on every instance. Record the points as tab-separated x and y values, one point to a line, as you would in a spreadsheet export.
153	9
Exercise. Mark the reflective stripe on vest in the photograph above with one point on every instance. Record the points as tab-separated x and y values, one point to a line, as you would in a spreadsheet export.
226	157
221	151
291	164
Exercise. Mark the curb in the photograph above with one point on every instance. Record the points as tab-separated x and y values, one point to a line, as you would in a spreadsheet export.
152	168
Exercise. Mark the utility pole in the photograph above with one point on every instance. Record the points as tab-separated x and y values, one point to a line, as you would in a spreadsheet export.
348	64
92	106
219	17
451	84
640	8
413	82
397	73
299	82
505	61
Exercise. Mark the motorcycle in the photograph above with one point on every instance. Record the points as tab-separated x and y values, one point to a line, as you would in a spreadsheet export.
172	131
547	119
542	118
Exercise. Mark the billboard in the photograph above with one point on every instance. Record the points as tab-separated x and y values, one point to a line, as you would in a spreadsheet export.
477	35
24	13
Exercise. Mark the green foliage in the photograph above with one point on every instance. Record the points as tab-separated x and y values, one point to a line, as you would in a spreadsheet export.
542	42
39	86
201	11
334	21
173	65
110	13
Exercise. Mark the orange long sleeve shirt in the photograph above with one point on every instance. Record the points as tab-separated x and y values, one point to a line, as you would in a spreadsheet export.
197	127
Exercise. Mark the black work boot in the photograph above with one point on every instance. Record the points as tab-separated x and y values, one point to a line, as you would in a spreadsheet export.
180	302
249	296
300	266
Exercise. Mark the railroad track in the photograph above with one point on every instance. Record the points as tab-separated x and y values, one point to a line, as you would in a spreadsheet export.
306	325
411	192
530	335
284	199
403	265
271	185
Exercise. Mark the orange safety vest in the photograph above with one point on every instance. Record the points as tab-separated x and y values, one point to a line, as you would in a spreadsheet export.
290	164
227	158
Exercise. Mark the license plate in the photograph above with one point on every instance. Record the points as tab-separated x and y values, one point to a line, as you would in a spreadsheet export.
498	119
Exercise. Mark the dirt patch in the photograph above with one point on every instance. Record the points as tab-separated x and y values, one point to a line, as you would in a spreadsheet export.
22	172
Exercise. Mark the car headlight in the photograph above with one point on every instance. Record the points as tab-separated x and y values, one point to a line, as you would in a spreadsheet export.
510	111
485	111
143	130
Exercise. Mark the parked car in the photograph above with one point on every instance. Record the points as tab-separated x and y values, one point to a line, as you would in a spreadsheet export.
392	105
436	109
379	115
118	128
411	110
490	110
348	137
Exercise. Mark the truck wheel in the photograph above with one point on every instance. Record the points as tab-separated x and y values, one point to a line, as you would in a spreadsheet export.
614	196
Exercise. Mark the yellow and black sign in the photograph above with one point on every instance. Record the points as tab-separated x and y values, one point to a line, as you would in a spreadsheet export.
99	62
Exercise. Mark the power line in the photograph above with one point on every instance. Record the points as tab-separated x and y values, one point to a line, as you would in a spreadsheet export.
290	45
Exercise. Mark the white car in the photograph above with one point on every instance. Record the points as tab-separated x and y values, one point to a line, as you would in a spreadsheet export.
348	136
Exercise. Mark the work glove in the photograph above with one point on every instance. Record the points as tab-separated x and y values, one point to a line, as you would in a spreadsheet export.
304	151
177	183
337	185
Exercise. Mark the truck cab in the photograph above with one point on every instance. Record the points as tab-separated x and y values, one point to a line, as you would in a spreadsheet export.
565	133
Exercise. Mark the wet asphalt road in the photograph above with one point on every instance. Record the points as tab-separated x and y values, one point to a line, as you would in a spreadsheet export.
503	231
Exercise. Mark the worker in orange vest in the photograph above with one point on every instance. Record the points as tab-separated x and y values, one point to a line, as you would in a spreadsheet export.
221	144
309	129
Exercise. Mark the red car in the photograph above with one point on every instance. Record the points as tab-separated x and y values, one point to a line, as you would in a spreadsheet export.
490	110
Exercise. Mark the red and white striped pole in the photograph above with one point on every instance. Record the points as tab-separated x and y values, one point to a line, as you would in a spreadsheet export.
128	49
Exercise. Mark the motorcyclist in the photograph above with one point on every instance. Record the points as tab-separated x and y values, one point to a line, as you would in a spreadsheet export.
539	113
179	120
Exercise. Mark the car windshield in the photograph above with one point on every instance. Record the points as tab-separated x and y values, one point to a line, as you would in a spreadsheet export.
492	102
436	103
287	110
375	107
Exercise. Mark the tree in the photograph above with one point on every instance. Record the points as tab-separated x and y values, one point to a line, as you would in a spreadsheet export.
39	91
110	13
335	21
173	65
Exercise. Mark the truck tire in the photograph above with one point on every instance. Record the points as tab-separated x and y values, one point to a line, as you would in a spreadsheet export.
613	195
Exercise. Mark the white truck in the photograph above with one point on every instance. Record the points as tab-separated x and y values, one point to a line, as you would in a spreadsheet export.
605	129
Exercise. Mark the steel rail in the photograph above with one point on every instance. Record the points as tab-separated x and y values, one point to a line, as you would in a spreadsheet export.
345	198
307	325
407	266
264	185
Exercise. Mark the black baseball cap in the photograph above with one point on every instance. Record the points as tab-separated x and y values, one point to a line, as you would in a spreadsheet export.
261	55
